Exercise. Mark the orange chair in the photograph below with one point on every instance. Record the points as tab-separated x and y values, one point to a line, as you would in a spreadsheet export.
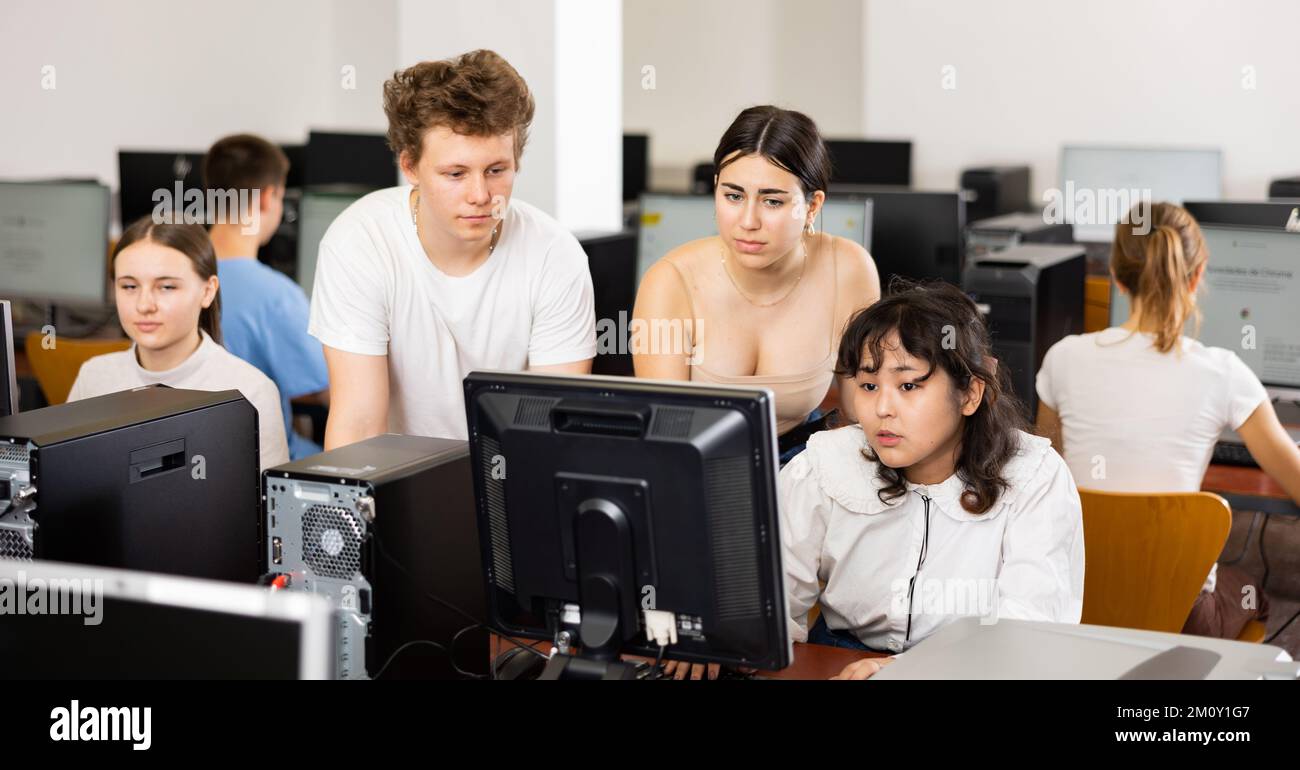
1148	555
56	367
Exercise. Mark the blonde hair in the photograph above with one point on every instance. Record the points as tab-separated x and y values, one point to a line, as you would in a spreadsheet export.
1157	267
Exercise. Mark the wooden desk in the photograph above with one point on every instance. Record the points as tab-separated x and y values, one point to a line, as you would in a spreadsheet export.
811	661
1248	489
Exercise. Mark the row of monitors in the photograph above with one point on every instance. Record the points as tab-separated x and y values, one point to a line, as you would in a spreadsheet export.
328	158
54	238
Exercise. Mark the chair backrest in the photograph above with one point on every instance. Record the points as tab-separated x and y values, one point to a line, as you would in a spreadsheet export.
1148	555
56	366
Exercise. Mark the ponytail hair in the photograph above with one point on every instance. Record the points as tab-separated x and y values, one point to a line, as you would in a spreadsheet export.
1156	267
192	241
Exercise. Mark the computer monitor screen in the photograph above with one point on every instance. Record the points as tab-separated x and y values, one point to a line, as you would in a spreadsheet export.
668	221
147	179
121	624
601	497
636	165
8	375
54	242
1098	185
1249	300
870	162
316	212
1269	214
354	159
918	235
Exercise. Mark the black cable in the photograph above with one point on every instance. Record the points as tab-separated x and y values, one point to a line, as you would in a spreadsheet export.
439	600
656	672
399	650
451	653
1282	628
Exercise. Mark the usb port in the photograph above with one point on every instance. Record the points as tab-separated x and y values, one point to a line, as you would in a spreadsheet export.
277	550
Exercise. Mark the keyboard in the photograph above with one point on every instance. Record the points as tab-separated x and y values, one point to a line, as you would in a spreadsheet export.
1229	453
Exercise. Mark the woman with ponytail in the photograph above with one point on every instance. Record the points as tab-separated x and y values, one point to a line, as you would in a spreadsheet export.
936	504
1139	407
169	303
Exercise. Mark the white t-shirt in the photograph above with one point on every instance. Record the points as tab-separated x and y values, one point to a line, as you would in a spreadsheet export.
1137	420
211	367
376	293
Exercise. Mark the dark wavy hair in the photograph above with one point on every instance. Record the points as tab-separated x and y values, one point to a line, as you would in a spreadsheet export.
925	316
786	138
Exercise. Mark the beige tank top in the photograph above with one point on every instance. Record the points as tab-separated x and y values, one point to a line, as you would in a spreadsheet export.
797	393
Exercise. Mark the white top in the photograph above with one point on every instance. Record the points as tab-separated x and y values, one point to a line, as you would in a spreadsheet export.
376	293
1023	558
211	367
1134	419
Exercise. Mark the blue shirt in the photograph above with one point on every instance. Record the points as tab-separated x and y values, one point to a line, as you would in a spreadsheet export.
264	321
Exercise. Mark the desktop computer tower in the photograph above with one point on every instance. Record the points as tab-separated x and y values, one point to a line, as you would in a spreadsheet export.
384	528
994	190
153	479
1031	296
611	258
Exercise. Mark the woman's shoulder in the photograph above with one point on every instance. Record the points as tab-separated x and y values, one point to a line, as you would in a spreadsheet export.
671	271
238	373
108	363
1033	465
834	461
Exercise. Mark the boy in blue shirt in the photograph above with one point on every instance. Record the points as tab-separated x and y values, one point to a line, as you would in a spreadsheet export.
264	313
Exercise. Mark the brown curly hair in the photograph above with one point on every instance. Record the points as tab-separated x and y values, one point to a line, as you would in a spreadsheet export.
925	316
476	94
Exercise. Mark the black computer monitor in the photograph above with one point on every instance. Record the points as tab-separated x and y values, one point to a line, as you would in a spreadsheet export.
1275	215
120	624
8	374
870	162
141	174
636	166
600	498
297	155
348	159
918	235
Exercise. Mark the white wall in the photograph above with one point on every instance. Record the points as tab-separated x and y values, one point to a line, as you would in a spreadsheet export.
573	77
158	74
1032	75
713	58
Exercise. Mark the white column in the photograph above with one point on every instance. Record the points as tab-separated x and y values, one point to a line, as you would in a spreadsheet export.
570	52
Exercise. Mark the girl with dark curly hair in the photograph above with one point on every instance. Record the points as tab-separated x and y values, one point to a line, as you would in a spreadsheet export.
937	503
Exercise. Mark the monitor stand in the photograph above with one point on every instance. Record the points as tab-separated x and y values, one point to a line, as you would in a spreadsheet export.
603	545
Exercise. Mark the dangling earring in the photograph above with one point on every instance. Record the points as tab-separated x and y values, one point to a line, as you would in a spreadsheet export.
811	230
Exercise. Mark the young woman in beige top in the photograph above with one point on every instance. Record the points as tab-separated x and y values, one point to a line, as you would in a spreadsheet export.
764	301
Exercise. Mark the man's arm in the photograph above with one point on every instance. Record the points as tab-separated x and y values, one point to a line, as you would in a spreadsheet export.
358	397
574	367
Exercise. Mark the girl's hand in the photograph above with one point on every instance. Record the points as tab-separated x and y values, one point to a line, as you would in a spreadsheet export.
678	670
863	669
